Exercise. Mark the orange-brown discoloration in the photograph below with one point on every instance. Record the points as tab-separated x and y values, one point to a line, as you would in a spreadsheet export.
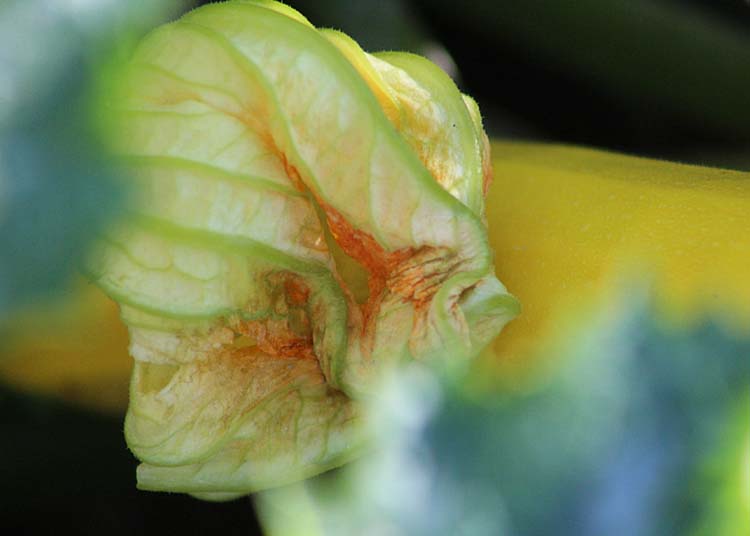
486	165
415	275
276	338
289	334
418	278
296	292
291	171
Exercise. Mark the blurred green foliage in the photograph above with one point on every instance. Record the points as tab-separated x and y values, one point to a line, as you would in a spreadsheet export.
57	183
617	440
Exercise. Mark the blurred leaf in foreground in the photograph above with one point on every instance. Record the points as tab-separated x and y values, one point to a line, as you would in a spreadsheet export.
57	185
642	430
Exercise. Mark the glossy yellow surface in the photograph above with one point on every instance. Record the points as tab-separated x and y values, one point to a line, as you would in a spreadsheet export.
568	225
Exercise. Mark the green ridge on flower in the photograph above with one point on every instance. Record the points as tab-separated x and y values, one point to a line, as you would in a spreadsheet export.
309	216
